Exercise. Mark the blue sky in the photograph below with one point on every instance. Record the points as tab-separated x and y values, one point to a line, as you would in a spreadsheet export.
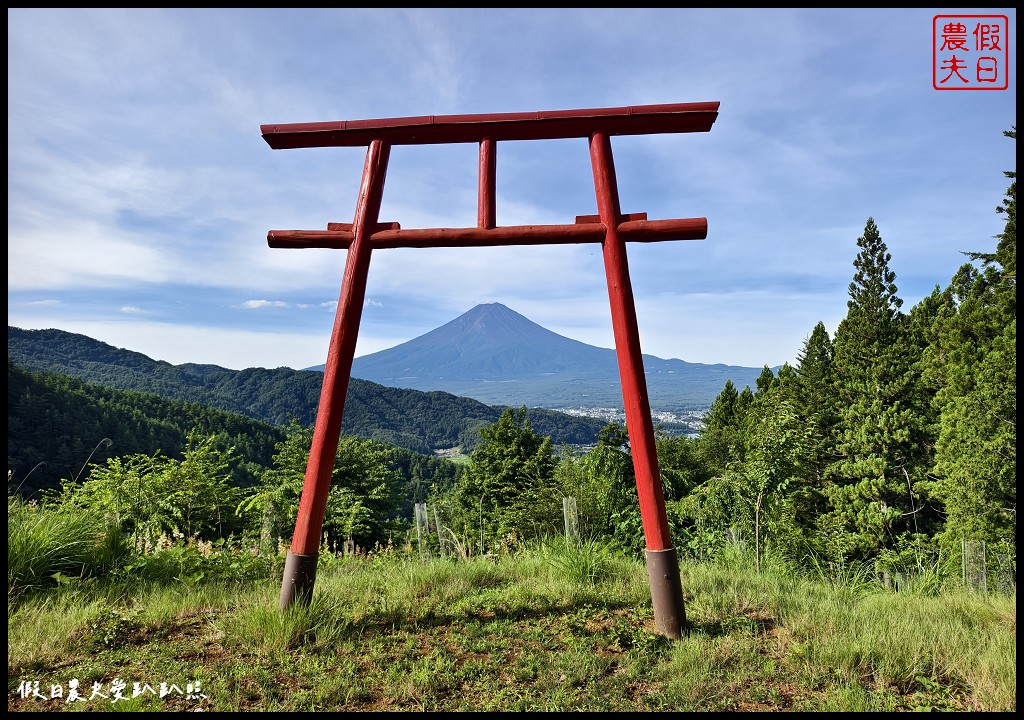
140	191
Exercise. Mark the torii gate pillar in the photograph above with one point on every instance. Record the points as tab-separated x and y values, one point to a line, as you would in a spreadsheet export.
610	227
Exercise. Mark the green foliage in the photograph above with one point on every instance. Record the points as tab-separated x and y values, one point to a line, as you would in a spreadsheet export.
112	627
190	563
153	496
917	565
713	506
424	475
976	450
972	363
609	468
271	509
898	432
775	449
603	483
682	466
723	412
362	503
749	467
813	396
366	499
765	380
721	436
57	420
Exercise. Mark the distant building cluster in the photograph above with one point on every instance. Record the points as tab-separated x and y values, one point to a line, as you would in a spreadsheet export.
685	421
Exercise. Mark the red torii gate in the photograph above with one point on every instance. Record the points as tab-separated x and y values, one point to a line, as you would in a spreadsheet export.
609	227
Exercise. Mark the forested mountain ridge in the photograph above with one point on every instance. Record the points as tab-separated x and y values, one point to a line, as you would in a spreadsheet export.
58	426
419	421
56	423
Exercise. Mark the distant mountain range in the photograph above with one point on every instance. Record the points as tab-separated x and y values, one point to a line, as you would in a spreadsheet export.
495	355
421	421
429	394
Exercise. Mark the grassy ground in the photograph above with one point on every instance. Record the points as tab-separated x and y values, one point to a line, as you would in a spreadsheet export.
552	629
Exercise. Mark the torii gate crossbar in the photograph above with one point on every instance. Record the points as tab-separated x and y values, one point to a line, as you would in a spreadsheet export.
609	227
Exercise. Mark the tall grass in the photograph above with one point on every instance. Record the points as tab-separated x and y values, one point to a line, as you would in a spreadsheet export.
46	544
586	562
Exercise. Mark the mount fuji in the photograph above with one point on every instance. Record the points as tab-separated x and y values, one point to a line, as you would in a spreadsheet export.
497	356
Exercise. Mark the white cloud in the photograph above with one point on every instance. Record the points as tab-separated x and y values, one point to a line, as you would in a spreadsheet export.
49	259
256	304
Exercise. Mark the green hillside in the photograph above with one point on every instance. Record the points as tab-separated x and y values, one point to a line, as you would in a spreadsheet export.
56	425
420	421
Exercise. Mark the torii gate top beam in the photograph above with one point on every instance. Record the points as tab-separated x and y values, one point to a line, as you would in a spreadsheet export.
487	130
543	125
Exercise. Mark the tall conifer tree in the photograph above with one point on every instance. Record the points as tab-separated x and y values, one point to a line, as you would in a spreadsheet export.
814	398
880	438
973	360
721	439
812	393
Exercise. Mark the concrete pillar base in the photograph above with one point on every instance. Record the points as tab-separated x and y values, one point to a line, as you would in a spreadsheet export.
666	593
299	576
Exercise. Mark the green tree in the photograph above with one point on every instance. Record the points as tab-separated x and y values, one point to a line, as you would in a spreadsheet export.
362	503
775	448
202	497
682	466
765	380
272	508
881	438
365	494
597	480
972	361
721	437
610	467
814	394
684	472
508	491
712	505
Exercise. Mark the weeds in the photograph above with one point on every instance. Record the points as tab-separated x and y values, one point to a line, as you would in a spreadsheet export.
581	561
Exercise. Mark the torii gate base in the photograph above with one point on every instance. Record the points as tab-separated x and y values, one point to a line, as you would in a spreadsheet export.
609	227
